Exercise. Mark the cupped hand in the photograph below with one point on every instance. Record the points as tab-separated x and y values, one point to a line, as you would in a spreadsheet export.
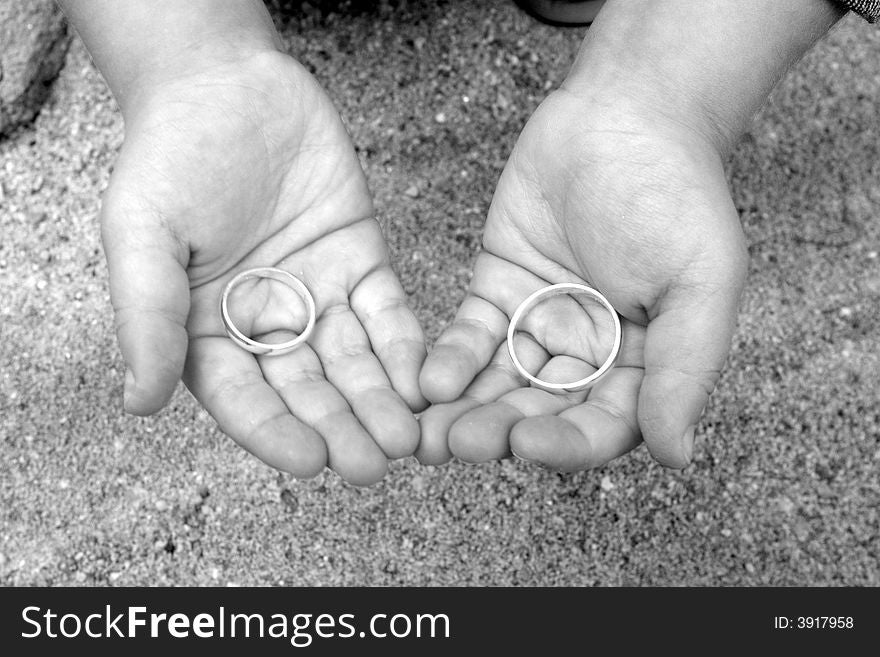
635	204
249	165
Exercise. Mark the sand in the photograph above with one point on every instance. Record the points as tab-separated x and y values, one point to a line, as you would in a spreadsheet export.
783	489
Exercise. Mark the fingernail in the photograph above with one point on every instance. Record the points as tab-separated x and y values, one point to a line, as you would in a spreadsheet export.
687	443
128	388
524	459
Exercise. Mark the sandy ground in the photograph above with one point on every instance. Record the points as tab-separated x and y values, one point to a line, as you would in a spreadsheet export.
784	488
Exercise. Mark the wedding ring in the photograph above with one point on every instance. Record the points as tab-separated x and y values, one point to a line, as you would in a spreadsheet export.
551	291
266	348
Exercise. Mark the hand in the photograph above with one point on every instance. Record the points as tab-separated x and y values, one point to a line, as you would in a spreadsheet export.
247	164
604	192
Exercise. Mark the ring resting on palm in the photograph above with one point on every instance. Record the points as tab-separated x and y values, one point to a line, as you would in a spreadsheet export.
541	295
266	348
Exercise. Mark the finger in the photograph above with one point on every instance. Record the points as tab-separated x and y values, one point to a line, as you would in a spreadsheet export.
687	343
497	378
572	324
351	366
480	325
395	335
351	266
302	383
230	385
590	430
462	350
149	290
587	435
483	433
434	425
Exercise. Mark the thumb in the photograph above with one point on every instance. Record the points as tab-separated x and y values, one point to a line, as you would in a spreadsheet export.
686	345
149	290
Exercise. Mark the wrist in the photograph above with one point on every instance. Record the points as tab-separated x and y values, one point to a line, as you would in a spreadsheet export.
140	45
708	66
234	87
630	105
202	64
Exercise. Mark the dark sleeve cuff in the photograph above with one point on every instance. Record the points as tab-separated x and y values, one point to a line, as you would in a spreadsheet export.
867	9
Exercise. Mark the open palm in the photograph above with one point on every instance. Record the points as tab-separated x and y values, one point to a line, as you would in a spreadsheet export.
636	207
243	166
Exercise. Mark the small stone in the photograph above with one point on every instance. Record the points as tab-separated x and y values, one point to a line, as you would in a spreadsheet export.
801	529
786	505
418	483
114	576
440	117
606	484
824	490
161	505
412	191
80	577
